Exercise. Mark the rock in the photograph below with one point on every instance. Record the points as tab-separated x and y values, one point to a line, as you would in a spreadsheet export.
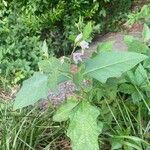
119	44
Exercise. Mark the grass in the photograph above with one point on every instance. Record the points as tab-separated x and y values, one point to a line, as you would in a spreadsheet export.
29	129
125	125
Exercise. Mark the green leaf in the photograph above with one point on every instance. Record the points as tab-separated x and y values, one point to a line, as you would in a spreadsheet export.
49	65
127	88
111	88
111	64
105	46
129	39
131	77
140	75
146	33
139	78
116	144
131	146
103	12
32	90
146	63
135	45
78	79
83	128
53	80
5	3
63	112
56	71
136	97
45	49
1	55
87	31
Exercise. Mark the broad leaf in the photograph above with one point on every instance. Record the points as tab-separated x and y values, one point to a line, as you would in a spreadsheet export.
135	45
139	78
87	31
53	80
146	33
141	75
83	128
111	64
127	88
56	71
63	112
32	90
130	77
49	65
146	63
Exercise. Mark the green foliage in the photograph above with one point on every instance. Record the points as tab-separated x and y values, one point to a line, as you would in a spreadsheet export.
139	83
110	106
87	31
83	129
111	101
142	15
64	110
146	33
30	94
54	74
111	64
26	24
28	128
79	111
135	45
56	71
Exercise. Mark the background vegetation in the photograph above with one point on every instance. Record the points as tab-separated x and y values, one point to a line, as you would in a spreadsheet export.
123	104
24	25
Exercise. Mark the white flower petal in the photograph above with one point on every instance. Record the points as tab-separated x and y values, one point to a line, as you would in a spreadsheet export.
78	38
84	45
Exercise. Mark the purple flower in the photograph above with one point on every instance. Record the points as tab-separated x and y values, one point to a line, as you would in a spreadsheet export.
77	57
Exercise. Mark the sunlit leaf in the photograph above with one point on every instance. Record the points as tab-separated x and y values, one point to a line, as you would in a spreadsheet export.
83	128
111	64
146	33
87	31
63	112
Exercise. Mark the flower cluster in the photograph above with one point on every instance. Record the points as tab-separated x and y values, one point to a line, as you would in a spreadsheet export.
77	57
